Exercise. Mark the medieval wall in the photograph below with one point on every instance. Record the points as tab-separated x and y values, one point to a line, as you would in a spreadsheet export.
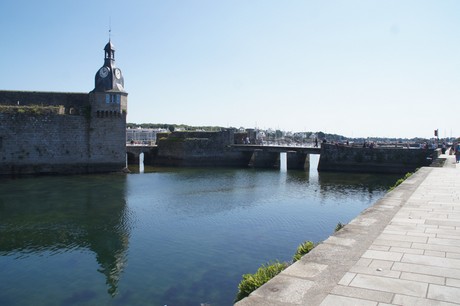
36	141
199	149
372	160
108	139
77	101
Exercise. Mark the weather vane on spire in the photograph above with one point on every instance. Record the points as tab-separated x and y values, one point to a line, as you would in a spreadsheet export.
110	27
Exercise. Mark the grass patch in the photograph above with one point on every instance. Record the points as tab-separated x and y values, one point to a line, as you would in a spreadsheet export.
173	139
303	249
398	182
339	226
30	109
251	282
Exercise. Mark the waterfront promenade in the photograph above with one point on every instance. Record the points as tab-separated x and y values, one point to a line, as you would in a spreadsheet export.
404	250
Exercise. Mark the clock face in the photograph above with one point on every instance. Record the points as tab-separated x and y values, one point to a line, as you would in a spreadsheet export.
103	72
117	73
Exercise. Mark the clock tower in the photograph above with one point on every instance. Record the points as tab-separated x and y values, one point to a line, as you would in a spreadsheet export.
109	96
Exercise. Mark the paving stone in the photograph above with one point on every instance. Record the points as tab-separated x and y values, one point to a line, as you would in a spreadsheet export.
428	270
261	301
305	269
437	247
284	289
407	221
445	236
334	300
444	293
450	232
431	261
425	226
405	228
447	227
403	244
384	264
454	215
433	214
435	253
347	278
406	250
411	300
366	294
390	285
442	241
379	247
443	222
393	256
453	283
394	232
403	238
363	221
453	255
340	241
379	271
364	262
423	278
414	233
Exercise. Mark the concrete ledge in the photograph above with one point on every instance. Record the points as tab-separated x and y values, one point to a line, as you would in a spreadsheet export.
317	274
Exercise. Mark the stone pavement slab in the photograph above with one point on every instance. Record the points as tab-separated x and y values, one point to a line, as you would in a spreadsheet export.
404	250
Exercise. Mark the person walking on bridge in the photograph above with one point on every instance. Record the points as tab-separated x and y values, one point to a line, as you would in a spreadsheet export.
457	152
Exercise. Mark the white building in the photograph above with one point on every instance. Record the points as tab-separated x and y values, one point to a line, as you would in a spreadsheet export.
142	136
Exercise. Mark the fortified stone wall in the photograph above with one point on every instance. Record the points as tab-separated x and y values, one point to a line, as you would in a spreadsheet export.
58	143
108	140
71	101
199	149
372	160
41	143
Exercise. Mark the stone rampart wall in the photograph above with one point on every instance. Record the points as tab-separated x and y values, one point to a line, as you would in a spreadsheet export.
199	149
53	143
108	140
372	160
67	99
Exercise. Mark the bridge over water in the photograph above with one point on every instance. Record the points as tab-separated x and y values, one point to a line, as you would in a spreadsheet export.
269	156
277	149
258	156
333	157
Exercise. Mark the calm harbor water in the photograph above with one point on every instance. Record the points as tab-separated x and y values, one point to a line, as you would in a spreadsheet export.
168	237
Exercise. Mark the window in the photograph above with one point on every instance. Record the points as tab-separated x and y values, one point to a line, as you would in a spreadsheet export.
112	99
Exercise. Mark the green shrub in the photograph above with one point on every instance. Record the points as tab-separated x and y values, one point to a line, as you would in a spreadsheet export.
251	282
175	139
339	226
303	249
29	109
398	182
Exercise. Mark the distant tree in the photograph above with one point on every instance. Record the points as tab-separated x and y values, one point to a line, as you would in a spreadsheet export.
171	128
278	134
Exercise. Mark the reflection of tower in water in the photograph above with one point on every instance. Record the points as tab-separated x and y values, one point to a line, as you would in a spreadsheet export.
85	213
110	246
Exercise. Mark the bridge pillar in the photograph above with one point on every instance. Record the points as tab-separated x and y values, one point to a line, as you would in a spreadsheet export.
297	160
262	159
149	156
133	158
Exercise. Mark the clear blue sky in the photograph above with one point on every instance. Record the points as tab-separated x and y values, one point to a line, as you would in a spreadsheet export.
356	68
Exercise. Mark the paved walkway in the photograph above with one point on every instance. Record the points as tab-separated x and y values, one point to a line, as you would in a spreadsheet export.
404	250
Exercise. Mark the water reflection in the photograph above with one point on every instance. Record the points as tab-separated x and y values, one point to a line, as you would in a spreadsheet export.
353	184
191	233
77	213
